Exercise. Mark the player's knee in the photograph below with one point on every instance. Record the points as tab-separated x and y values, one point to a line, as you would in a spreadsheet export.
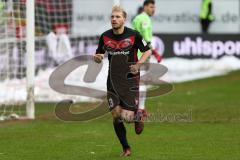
127	116
116	112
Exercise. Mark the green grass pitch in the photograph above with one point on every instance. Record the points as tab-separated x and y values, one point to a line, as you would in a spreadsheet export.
211	133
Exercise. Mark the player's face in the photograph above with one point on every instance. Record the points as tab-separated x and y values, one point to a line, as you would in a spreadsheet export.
117	20
150	9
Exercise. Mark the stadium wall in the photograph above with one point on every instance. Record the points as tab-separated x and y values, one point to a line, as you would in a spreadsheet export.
175	16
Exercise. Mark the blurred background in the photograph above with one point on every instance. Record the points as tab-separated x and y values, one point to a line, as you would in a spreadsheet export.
69	28
199	117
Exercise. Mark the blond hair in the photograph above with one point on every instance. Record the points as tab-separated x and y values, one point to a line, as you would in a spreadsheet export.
117	8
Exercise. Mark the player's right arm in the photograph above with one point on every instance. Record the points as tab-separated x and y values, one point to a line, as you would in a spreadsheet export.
99	55
145	49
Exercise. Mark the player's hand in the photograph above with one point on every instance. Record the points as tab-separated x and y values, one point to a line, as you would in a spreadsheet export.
134	69
156	55
98	58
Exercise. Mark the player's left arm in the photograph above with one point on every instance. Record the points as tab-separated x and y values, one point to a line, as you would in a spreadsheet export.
144	57
143	46
134	69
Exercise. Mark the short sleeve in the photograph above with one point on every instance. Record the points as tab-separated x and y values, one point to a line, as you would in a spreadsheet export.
141	44
100	49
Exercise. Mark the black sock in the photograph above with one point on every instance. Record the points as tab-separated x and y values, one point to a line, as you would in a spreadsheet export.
120	131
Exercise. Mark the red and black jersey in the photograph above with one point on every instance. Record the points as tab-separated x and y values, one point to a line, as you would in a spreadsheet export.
122	49
126	43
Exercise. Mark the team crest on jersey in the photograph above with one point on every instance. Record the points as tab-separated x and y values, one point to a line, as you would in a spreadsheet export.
145	24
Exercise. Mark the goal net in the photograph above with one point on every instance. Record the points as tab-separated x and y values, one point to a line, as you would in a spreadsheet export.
55	41
18	62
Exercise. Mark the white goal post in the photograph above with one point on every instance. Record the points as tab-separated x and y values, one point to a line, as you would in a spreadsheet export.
35	37
17	56
30	109
26	59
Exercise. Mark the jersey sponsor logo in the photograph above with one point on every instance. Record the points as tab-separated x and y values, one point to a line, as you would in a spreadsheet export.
118	52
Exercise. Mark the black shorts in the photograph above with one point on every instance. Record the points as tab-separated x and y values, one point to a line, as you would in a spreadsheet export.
123	93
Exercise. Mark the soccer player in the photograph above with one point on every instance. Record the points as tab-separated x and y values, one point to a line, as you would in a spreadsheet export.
120	44
143	24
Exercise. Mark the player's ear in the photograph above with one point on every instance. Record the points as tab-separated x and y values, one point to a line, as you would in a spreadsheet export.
124	16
